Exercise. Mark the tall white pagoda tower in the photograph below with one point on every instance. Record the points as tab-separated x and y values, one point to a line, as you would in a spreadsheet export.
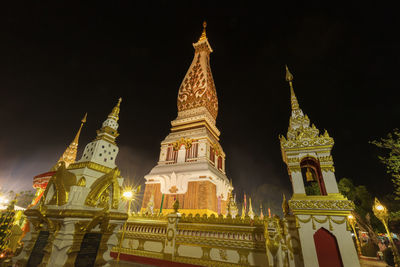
191	167
319	209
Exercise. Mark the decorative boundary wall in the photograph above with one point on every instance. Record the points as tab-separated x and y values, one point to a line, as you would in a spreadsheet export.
180	240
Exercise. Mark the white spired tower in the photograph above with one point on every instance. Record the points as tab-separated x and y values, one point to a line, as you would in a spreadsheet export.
191	167
320	210
76	221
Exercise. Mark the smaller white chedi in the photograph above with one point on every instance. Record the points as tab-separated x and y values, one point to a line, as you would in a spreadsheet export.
76	220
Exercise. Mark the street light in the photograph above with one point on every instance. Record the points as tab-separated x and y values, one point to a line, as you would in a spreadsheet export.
127	194
352	220
382	214
3	200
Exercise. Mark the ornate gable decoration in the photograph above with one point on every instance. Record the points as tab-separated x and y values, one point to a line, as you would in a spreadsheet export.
198	88
103	188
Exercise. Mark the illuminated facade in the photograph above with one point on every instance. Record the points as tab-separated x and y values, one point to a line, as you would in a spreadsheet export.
81	203
320	210
191	166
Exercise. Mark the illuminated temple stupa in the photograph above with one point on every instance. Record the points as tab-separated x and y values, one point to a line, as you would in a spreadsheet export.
69	156
191	167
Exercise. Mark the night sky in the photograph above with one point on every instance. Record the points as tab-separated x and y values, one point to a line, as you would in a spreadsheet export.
60	60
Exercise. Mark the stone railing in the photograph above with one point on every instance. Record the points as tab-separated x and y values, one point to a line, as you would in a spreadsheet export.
210	240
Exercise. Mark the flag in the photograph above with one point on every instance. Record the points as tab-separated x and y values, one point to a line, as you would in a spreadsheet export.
219	205
162	202
245	202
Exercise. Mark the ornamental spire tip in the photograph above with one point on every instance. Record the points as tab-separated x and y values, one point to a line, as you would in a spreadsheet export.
293	99
203	34
115	111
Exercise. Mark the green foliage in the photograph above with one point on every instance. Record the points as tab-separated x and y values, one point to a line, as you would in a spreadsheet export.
6	221
24	198
392	159
363	201
312	189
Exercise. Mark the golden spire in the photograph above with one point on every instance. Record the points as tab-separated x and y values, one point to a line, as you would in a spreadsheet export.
203	34
115	111
76	139
69	155
293	99
251	212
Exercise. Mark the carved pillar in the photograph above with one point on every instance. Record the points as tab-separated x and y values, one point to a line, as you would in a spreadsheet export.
172	226
206	253
243	257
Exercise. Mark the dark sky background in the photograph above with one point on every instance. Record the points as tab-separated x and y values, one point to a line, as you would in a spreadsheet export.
59	60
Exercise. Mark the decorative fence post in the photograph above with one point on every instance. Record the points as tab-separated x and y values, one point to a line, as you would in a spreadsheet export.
172	227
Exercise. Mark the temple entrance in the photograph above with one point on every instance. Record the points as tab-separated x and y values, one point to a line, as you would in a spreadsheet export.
327	249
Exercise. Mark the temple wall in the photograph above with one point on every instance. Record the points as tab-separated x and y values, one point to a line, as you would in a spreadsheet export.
209	241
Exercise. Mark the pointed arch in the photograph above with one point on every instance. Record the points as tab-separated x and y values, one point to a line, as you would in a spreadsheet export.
101	185
327	249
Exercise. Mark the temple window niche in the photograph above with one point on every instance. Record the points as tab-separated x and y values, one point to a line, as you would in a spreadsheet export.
192	152
212	155
312	177
171	154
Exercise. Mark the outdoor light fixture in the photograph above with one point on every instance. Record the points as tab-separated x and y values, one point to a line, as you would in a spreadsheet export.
382	214
3	200
352	221
128	195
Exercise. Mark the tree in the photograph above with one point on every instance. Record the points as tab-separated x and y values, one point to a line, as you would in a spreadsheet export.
24	198
392	159
363	207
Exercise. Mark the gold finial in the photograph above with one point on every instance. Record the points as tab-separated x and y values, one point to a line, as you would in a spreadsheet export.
84	118
203	34
115	112
289	76
76	139
293	99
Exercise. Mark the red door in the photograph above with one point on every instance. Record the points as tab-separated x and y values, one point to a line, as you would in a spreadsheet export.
327	249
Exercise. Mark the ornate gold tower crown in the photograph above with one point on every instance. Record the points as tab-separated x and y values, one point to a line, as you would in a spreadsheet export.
198	89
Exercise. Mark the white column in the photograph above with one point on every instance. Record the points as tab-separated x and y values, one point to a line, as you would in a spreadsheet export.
306	234
297	181
181	155
345	243
330	182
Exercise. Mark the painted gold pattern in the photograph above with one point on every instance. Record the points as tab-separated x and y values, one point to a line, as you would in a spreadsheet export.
321	204
90	165
198	88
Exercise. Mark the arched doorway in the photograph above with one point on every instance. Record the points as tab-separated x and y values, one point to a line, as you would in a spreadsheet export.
327	249
312	176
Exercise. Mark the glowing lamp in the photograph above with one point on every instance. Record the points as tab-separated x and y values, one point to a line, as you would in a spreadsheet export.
127	195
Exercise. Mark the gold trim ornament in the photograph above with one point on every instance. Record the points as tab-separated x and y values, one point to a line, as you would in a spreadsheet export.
106	182
321	205
187	142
